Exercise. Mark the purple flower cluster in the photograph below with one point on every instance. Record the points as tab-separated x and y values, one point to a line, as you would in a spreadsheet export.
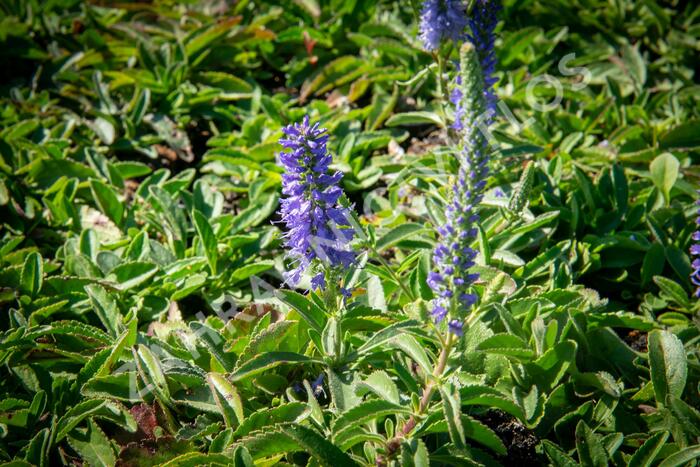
454	257
695	253
482	23
441	19
318	226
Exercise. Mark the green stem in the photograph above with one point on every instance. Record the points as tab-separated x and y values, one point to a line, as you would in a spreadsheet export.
392	273
430	386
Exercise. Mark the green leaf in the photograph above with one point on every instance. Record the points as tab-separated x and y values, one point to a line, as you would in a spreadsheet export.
232	86
684	137
673	291
475	430
105	307
664	173
129	275
483	395
645	455
342	390
668	364
399	233
411	347
386	334
318	446
140	107
214	344
634	64
265	361
557	455
75	415
365	412
653	264
93	445
208	239
308	310
151	373
227	399
415	118
249	270
681	457
38	449
32	274
382	106
451	408
380	383
591	452
414	453
270	416
107	201
548	370
267	340
336	73
688	416
506	344
197	459
536	223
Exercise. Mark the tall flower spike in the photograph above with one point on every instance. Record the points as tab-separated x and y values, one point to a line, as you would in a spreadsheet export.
441	19
454	257
695	252
318	226
482	24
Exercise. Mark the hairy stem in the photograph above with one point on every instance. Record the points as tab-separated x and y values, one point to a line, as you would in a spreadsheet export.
430	386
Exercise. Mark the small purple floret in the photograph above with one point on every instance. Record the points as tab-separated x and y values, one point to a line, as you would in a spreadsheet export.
440	20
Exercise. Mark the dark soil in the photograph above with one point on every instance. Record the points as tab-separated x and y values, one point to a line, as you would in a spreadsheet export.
518	439
637	340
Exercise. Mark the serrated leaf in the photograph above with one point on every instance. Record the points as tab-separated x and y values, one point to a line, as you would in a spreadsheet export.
93	445
316	445
227	399
380	383
265	361
308	310
591	452
645	455
681	457
270	416
365	412
386	334
673	291
451	408
151	372
75	415
105	308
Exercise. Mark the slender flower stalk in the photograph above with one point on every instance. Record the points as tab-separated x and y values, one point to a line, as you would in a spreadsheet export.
441	20
695	253
454	257
318	227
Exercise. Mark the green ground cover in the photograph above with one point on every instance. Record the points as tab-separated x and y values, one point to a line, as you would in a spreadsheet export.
144	316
